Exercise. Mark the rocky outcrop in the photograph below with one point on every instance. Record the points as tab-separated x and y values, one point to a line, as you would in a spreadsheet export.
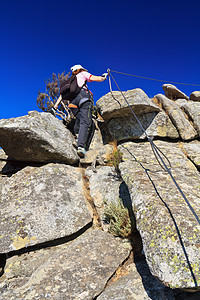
155	125
54	240
195	96
37	137
178	118
172	92
181	102
192	109
79	270
169	230
130	286
45	204
140	103
106	187
121	125
192	151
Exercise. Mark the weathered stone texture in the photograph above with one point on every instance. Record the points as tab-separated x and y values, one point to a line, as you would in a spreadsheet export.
172	92
195	96
178	118
38	137
47	204
160	210
193	111
106	187
138	100
137	284
181	102
192	150
155	124
41	204
79	271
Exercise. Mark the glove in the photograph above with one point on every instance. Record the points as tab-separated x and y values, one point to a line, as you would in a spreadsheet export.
105	75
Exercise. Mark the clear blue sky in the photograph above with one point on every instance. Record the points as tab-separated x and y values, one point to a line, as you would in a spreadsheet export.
158	39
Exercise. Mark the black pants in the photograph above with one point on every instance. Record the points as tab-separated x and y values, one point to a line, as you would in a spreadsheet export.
83	116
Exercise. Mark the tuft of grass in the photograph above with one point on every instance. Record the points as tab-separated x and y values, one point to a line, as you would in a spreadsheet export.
115	157
118	218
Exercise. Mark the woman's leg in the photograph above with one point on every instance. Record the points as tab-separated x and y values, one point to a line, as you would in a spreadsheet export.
85	123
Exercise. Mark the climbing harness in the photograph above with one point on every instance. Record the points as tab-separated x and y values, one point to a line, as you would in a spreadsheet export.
156	150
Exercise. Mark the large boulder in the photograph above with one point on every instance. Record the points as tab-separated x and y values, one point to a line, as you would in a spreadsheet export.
39	205
169	229
178	118
123	125
192	109
172	92
109	108
79	270
195	96
37	137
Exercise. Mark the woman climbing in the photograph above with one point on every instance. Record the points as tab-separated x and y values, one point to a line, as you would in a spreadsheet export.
82	105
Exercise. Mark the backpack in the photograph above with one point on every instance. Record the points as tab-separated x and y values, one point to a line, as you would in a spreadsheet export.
69	88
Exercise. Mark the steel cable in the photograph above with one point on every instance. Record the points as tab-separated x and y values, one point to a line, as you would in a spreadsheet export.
156	150
148	78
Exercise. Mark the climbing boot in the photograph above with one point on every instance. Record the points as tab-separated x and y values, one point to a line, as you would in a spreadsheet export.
81	152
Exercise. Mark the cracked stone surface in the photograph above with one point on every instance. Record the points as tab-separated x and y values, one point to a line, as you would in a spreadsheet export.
37	137
38	205
169	230
77	271
178	118
138	100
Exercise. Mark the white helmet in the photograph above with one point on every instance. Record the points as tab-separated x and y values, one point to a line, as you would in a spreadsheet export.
77	67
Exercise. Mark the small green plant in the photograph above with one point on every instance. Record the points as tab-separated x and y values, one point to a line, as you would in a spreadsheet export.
118	218
115	157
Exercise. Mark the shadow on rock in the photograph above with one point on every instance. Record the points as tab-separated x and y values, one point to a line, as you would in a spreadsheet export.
12	166
135	238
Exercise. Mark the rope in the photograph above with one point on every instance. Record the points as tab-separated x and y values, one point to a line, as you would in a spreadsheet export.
156	151
155	79
112	92
148	138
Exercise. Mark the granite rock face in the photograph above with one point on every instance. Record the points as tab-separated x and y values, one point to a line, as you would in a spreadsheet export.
38	137
109	108
192	109
170	231
155	124
133	287
192	150
54	243
177	116
106	187
39	205
78	271
122	125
